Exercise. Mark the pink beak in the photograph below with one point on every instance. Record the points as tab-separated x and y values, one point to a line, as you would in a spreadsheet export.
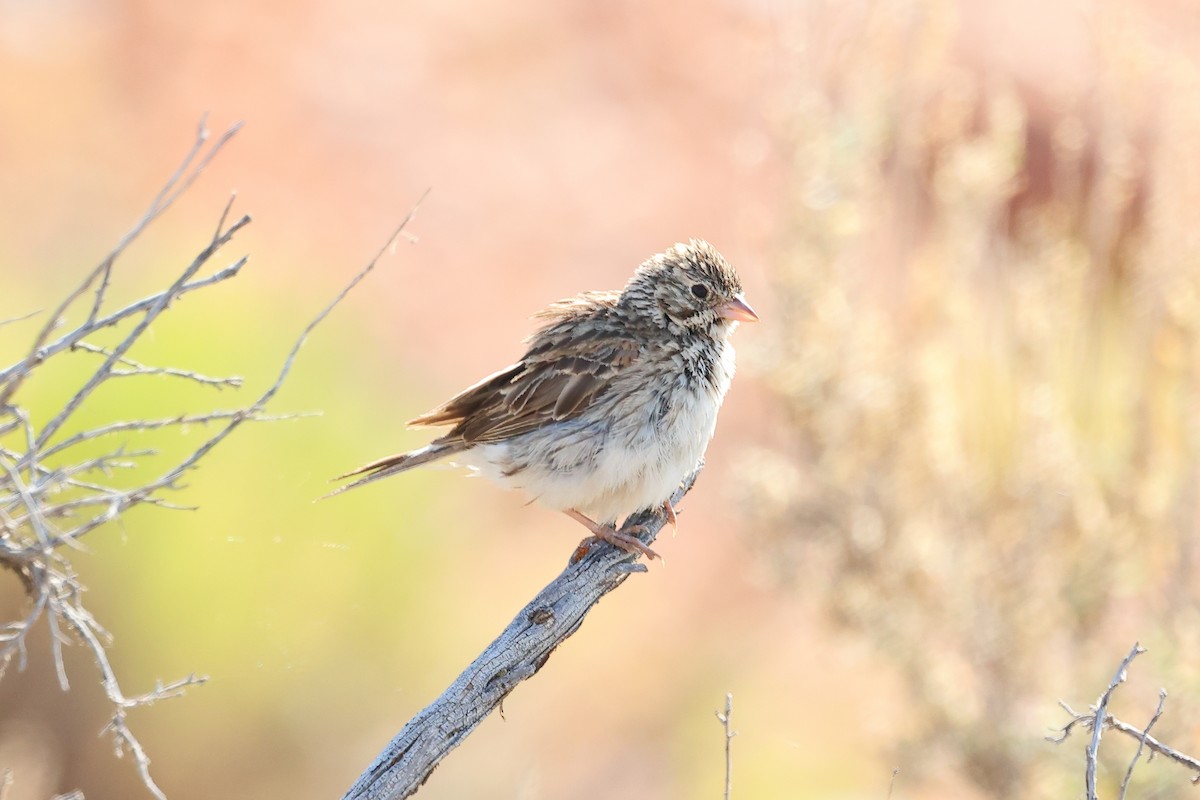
737	309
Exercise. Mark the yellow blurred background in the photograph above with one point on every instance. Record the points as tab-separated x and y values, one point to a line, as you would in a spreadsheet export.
954	481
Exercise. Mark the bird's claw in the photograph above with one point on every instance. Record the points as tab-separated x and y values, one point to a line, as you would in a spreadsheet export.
672	515
624	539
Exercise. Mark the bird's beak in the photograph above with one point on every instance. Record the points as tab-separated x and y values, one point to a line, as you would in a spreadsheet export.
737	309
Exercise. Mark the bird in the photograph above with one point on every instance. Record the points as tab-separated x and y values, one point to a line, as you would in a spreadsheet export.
613	402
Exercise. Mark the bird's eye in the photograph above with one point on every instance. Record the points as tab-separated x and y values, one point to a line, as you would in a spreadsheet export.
700	290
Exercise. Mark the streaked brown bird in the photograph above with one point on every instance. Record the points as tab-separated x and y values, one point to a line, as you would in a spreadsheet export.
613	403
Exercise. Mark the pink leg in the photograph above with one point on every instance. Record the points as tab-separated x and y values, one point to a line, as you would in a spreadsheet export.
609	533
672	519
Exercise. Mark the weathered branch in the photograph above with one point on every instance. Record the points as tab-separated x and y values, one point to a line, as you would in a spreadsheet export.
516	654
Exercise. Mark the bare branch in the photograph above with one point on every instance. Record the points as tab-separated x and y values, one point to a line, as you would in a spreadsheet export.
180	181
10	321
1088	719
123	739
41	485
183	420
725	720
65	342
892	782
1097	716
37	521
1101	712
1162	700
517	654
1156	746
387	247
137	368
256	408
28	513
13	634
152	313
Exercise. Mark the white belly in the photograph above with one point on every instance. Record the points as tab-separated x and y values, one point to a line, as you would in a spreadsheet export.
636	464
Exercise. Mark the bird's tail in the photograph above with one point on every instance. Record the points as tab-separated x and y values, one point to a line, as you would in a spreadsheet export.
400	462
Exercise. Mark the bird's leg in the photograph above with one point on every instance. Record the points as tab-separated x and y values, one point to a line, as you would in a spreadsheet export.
672	518
610	534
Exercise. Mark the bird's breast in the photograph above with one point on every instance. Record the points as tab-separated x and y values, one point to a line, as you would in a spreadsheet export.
661	438
627	451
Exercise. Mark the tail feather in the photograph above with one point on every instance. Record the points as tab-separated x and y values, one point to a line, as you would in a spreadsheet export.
390	465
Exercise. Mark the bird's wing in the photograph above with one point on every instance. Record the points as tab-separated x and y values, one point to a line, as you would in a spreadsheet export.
569	364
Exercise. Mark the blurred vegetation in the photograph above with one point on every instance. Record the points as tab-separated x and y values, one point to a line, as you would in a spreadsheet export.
988	361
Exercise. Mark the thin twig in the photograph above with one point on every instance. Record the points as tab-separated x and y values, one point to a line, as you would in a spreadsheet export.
37	521
10	321
182	179
262	401
1093	747
13	634
67	340
124	740
30	540
41	490
1155	745
726	720
183	420
152	313
1088	720
1162	700
137	368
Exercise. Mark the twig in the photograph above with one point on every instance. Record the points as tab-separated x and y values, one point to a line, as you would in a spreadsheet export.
137	368
183	420
892	782
1162	700
516	654
18	371
40	478
3	322
1158	747
725	720
1089	719
1098	719
123	739
152	313
262	401
180	181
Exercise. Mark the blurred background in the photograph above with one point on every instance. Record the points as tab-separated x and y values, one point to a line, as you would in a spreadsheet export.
955	479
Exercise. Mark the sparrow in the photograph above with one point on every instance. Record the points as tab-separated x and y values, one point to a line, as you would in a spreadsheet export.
613	403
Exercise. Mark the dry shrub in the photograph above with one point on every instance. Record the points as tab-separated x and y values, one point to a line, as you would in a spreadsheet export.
988	350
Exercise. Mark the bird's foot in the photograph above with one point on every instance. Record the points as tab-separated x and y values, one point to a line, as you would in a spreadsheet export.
624	539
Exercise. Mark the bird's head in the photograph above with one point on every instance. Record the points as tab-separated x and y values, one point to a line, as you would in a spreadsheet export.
690	287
